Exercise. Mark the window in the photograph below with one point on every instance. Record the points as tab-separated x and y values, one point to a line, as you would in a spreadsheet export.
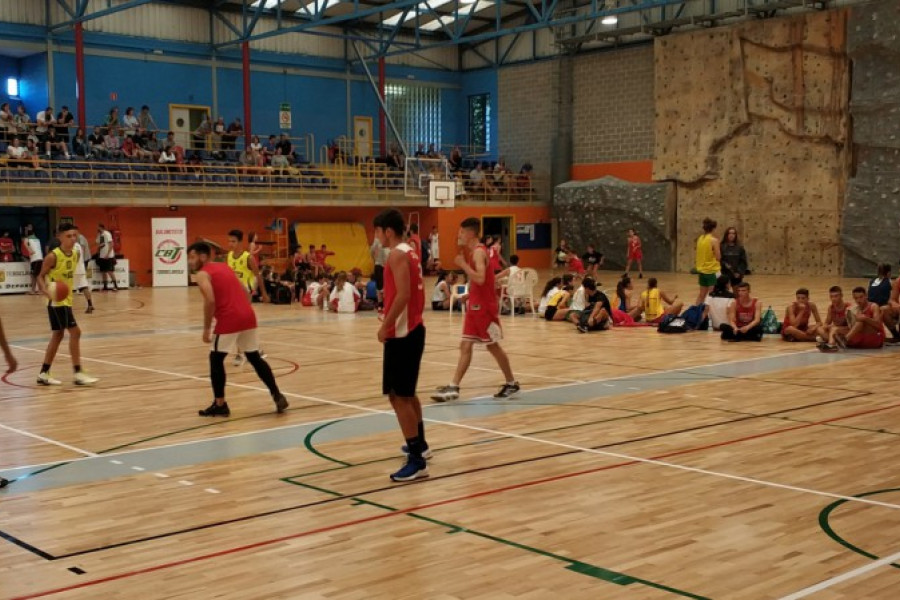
480	123
12	87
416	111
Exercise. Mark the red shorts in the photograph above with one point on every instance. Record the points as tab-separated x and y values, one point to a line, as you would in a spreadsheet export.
867	340
636	255
482	326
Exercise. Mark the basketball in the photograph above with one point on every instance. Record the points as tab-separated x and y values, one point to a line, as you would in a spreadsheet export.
58	291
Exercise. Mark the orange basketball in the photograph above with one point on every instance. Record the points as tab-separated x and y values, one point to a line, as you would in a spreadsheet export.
58	291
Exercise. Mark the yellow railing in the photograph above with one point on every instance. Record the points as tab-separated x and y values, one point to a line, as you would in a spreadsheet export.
144	183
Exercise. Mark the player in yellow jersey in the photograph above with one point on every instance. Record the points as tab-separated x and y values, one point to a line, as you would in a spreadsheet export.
59	266
244	266
708	262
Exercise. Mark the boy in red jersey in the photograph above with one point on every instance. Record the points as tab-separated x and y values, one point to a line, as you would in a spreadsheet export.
482	320
635	253
867	330
403	336
836	323
225	298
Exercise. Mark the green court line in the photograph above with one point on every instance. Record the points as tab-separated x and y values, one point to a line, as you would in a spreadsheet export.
308	442
825	524
576	566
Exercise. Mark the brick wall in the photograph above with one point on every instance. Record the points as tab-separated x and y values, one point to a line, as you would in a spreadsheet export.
527	107
614	106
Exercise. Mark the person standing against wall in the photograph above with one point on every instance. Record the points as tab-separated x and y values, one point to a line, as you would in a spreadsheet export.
708	257
34	252
734	257
106	257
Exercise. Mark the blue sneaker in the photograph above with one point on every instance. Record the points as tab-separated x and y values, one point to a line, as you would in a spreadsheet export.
413	469
426	454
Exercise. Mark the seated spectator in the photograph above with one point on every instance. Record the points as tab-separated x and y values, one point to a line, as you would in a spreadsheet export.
344	297
628	304
478	181
443	287
597	313
287	148
64	120
395	158
81	147
195	163
314	263
579	298
97	144
145	120
502	175
53	144
880	287
744	317
550	289
31	150
218	133
18	155
250	161
279	162
558	305
254	143
432	152
22	121
7	126
867	329
268	150
656	304
718	301
167	159
890	312
455	161
130	122
112	120
592	260
113	143
420	151
132	151
322	255
177	149
201	134
232	133
45	122
147	141
837	323
512	269
7	248
523	179
796	326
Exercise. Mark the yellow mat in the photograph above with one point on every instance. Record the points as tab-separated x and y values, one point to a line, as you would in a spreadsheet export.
348	241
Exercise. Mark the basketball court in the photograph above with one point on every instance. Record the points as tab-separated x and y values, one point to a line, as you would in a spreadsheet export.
633	465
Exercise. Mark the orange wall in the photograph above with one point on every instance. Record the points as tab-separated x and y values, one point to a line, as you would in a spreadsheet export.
214	223
448	230
637	171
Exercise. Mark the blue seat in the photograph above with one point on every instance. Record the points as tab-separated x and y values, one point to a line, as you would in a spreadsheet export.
42	175
74	176
103	176
120	176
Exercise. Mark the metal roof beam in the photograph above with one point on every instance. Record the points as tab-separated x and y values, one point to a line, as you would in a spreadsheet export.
81	15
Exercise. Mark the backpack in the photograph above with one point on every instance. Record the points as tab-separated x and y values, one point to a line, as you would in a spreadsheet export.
769	322
693	317
282	295
673	324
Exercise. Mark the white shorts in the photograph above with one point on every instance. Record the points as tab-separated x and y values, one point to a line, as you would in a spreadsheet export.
246	341
80	281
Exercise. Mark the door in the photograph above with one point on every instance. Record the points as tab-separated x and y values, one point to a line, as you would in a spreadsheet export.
185	118
362	137
501	227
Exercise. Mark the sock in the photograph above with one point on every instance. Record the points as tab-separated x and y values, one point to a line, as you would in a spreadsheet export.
513	382
45	368
77	368
217	373
415	447
422	435
263	371
90	303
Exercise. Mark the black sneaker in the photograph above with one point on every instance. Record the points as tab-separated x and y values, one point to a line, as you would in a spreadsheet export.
89	310
508	389
281	403
215	410
893	340
582	328
3	483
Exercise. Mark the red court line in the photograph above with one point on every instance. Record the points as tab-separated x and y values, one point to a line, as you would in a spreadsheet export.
422	507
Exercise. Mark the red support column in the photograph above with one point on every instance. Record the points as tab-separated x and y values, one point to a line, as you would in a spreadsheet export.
382	125
79	75
248	126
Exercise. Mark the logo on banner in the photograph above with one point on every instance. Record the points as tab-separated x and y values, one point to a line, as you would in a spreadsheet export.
168	252
2	276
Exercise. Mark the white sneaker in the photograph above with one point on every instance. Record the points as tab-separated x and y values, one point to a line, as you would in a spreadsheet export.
82	378
46	379
446	393
238	360
262	354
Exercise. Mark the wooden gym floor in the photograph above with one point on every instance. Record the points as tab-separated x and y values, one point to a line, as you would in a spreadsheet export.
633	465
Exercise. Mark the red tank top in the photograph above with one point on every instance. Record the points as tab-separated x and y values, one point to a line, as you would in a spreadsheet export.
634	243
483	296
494	259
416	242
233	310
411	317
839	314
744	314
802	317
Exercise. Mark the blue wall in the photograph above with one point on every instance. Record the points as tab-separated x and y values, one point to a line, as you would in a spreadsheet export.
33	89
9	67
482	81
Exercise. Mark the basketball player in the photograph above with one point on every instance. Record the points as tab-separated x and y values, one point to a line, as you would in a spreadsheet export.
837	322
81	281
244	266
635	253
403	336
867	330
482	320
59	266
225	298
709	255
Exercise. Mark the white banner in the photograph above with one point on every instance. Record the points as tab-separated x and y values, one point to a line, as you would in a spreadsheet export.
169	243
120	272
15	277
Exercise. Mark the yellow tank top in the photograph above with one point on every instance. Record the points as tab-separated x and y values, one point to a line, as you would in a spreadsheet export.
706	258
64	271
241	268
652	306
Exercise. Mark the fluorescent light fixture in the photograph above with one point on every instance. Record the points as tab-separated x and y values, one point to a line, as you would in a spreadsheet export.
610	20
266	3
391	21
468	1
12	87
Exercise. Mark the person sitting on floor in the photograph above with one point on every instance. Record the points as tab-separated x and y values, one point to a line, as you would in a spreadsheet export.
744	317
344	297
718	301
550	288
558	305
887	296
796	319
656	304
627	303
597	313
836	322
867	328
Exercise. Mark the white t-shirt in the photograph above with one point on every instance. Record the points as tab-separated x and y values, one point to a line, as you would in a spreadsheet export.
42	119
79	264
435	246
105	240
439	294
15	151
347	298
578	299
35	251
718	310
542	307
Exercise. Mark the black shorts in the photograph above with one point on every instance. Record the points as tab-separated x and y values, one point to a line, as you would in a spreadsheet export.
550	312
437	305
61	318
378	276
36	267
402	357
106	265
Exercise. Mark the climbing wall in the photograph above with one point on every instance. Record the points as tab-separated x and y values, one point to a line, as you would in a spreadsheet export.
870	231
599	212
752	125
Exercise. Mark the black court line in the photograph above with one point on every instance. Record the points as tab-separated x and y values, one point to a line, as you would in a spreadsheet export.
51	557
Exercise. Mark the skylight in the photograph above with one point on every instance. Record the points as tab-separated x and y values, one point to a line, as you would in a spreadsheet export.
266	3
311	7
447	20
391	21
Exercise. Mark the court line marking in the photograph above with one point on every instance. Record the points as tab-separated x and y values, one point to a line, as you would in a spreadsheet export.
605	453
47	440
824	585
